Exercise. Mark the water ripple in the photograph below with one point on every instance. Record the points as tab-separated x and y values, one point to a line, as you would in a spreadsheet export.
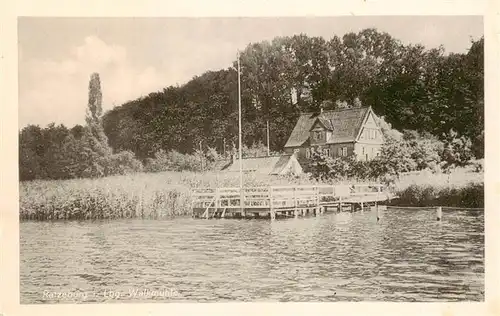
407	256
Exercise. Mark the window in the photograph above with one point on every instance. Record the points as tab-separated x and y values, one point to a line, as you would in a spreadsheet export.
344	151
308	153
317	135
339	152
363	149
326	151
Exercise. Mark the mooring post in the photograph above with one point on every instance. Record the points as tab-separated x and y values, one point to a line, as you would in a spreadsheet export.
378	195
378	212
217	198
439	211
340	204
362	208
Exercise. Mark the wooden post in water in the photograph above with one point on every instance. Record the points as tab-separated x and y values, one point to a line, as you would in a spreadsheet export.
362	208
439	211
378	212
378	195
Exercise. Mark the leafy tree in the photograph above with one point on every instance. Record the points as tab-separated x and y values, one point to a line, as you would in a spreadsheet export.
410	86
457	151
31	153
94	135
395	157
426	150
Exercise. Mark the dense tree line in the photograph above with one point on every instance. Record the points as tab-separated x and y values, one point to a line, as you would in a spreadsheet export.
414	88
56	152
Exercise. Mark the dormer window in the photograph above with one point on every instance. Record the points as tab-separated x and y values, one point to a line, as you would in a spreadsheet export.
317	135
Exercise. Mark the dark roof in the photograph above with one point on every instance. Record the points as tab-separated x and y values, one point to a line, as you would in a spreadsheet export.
327	123
344	123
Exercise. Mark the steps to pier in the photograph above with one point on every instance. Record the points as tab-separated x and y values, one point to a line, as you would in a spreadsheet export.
283	201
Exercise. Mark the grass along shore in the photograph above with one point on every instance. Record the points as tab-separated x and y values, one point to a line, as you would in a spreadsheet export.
461	188
166	194
140	195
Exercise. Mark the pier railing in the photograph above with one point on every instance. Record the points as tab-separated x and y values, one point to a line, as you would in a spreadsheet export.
284	197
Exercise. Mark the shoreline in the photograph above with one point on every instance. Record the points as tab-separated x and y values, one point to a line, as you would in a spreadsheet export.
167	195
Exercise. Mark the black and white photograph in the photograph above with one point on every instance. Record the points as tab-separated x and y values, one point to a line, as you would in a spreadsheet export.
251	159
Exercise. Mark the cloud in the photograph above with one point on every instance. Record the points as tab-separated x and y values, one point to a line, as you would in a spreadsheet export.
57	90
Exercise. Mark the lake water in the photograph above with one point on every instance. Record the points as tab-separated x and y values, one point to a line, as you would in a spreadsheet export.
407	256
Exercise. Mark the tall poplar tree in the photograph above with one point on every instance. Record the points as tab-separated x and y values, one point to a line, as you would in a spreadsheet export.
96	150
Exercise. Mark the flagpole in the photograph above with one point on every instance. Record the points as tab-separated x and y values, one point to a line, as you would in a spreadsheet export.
268	151
239	117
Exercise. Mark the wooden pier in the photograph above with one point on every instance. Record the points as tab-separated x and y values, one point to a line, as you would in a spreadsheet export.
284	201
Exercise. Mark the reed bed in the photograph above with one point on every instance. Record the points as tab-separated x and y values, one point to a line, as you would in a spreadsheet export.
165	194
467	196
141	195
457	178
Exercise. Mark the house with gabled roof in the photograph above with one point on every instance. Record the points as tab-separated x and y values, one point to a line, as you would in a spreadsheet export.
342	132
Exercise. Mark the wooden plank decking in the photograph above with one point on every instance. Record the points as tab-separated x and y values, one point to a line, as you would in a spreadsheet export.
283	201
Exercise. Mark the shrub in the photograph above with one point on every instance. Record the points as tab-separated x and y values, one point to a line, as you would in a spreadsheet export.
395	157
324	167
425	150
176	161
470	195
478	166
457	151
121	163
159	163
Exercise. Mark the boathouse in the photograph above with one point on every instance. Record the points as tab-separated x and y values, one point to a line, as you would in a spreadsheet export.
272	165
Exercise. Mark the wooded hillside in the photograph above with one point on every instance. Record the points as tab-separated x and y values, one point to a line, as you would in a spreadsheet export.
413	87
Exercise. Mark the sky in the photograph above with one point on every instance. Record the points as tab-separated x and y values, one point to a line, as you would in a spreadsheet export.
137	56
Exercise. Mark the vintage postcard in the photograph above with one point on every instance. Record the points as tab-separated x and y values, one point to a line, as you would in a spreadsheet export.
162	162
